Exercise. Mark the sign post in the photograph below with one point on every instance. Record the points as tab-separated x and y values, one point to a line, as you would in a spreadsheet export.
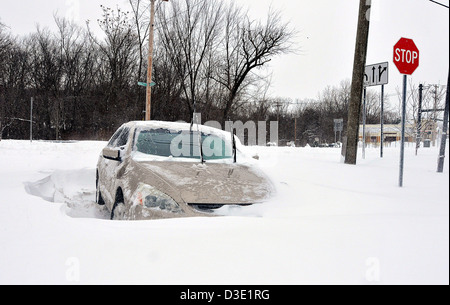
406	59
31	120
364	124
402	145
382	122
375	75
338	127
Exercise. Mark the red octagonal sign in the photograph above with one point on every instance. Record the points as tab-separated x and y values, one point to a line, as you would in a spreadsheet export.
406	56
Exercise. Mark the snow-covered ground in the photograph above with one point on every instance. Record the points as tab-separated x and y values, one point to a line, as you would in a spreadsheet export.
329	223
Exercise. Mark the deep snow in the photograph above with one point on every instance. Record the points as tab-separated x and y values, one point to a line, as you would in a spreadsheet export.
329	223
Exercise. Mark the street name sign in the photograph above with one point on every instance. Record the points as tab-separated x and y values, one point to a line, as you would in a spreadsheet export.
145	84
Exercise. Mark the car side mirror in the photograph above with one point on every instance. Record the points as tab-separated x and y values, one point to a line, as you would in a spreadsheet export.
112	153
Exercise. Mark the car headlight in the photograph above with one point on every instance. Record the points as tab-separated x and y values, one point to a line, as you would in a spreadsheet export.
149	197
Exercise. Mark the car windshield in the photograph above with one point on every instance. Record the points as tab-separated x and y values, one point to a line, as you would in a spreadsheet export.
181	144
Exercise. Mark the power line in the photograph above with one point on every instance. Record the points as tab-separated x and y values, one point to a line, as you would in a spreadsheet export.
439	3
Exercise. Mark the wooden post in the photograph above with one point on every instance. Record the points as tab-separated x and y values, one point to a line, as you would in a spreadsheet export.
148	104
354	109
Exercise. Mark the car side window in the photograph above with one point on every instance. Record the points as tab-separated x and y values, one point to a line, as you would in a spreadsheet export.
119	138
114	137
123	137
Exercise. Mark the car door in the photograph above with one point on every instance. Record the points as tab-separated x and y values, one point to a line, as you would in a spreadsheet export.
110	169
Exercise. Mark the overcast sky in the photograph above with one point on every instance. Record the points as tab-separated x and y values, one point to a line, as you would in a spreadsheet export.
326	40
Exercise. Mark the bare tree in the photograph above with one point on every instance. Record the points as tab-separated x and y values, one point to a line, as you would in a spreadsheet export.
4	44
189	33
14	63
5	41
77	54
141	27
118	53
432	100
207	54
249	45
46	75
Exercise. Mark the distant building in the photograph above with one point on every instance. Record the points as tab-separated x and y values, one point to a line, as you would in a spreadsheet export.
393	132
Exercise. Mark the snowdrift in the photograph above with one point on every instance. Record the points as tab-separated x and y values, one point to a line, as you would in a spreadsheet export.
329	223
74	188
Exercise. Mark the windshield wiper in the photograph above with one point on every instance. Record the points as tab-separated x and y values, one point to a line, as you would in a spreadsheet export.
200	143
233	141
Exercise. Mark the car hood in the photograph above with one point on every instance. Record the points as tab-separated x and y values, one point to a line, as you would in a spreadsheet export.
212	183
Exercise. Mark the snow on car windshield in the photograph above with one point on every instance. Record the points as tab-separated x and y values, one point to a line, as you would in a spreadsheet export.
164	142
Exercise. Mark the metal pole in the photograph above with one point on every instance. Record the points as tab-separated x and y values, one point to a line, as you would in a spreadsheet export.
148	104
402	146
295	132
364	125
31	120
382	122
440	168
419	118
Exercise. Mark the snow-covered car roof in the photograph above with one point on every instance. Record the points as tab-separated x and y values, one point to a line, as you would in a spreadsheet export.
178	126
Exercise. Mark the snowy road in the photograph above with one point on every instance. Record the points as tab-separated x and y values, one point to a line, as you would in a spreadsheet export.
329	223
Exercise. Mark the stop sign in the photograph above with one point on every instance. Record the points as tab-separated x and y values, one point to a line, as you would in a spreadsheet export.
406	56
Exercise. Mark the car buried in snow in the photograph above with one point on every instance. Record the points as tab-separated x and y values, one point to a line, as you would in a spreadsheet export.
155	169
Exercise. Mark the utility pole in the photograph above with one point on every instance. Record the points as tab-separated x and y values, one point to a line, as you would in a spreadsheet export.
295	131
354	109
31	121
148	104
278	105
434	115
382	122
441	158
419	118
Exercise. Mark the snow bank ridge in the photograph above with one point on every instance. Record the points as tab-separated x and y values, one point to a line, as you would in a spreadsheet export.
75	189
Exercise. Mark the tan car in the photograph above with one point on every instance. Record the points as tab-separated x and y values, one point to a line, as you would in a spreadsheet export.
160	169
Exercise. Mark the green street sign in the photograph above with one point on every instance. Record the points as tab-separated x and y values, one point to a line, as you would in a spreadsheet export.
145	84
